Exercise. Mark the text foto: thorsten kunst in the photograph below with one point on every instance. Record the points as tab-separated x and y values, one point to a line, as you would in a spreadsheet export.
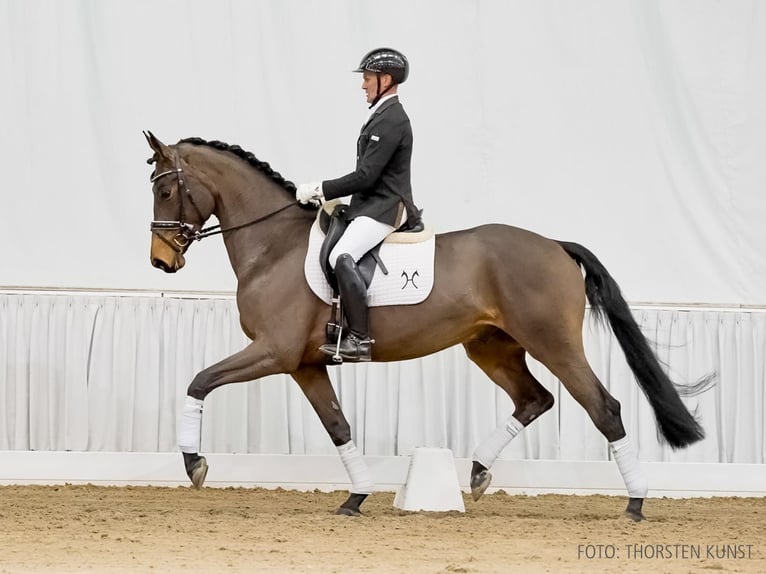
665	551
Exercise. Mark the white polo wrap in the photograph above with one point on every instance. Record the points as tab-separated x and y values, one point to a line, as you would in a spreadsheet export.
190	430
361	481
488	451
627	461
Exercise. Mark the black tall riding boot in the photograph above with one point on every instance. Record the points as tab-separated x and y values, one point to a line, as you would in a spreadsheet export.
355	344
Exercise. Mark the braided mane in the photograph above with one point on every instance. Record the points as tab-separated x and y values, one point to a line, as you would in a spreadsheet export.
261	166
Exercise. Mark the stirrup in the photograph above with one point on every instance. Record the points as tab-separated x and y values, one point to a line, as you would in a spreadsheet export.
336	357
333	349
353	354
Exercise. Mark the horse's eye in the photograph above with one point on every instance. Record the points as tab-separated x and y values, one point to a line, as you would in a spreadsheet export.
166	193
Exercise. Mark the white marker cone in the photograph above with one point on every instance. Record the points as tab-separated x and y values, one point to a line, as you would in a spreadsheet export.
432	483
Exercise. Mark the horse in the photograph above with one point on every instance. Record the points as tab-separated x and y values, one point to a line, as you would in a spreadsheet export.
501	291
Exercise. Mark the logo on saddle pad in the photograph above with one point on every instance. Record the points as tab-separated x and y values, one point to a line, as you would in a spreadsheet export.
408	258
410	280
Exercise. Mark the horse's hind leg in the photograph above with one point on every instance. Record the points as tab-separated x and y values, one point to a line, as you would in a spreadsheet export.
503	361
315	384
573	370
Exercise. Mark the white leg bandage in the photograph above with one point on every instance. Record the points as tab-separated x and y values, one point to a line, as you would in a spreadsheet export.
361	482
190	429
627	461
488	451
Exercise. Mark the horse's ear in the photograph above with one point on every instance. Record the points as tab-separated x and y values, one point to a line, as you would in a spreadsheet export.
160	149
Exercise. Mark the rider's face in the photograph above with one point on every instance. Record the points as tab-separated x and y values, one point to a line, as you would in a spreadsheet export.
370	84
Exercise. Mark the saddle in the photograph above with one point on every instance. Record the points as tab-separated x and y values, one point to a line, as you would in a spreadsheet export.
333	225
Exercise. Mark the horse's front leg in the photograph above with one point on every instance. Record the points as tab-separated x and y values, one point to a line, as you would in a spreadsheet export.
315	384
253	362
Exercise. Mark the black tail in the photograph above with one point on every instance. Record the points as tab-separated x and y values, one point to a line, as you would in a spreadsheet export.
676	423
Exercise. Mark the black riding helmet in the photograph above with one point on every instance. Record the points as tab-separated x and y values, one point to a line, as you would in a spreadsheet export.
385	61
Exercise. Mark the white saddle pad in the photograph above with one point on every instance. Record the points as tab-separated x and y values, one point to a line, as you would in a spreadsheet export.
410	270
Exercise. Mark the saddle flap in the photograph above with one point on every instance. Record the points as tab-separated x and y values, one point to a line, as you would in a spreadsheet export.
334	225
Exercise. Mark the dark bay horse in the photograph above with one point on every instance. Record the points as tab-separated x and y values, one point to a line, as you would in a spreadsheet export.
500	291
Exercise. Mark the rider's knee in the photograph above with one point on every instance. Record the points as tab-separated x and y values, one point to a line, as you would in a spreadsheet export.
344	261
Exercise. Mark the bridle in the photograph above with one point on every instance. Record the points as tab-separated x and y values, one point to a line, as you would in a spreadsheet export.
185	231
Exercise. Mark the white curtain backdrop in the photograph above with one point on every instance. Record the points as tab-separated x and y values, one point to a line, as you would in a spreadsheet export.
109	373
635	127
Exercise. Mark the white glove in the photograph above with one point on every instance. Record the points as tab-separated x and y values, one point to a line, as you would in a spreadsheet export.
309	193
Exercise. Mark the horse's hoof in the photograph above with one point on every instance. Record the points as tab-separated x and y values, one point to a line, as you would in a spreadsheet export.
479	483
199	473
196	469
352	504
347	512
633	511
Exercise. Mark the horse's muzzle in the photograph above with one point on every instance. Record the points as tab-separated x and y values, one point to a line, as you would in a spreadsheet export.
165	258
160	264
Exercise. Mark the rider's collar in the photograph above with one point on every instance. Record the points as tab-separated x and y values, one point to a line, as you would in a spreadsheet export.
376	107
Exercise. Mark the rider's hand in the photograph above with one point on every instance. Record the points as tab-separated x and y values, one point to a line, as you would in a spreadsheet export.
309	193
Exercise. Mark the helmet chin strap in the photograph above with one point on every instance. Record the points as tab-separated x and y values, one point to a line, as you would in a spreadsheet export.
377	90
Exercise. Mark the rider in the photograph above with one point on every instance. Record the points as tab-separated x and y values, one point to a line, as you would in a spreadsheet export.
380	190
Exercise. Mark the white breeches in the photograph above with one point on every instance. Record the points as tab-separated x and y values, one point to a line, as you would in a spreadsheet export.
361	235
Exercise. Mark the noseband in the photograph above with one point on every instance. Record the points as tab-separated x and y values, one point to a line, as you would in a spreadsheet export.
186	232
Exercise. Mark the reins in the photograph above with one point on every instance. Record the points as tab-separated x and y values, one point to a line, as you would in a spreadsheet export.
186	234
216	229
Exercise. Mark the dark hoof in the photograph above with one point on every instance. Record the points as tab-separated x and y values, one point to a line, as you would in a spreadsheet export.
196	469
347	512
480	479
352	504
633	511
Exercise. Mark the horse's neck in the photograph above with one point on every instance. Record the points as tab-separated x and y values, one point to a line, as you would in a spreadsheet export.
247	196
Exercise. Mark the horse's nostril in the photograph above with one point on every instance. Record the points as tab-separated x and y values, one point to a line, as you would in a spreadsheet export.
160	264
